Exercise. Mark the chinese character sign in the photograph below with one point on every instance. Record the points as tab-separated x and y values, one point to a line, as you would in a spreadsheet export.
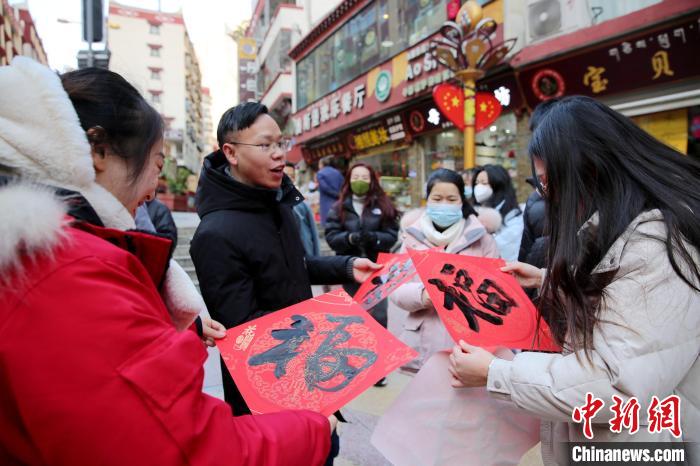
317	355
480	304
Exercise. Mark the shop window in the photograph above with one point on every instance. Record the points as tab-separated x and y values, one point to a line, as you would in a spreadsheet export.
277	60
669	127
381	30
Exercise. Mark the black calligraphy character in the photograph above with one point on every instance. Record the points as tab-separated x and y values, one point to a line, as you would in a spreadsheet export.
454	295
291	339
493	298
329	361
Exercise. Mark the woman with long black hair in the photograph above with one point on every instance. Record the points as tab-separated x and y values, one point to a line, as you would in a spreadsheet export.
621	292
363	223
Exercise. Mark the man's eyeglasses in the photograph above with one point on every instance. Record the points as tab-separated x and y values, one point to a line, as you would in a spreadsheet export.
284	145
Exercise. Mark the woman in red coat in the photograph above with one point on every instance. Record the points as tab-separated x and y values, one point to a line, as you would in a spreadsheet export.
92	369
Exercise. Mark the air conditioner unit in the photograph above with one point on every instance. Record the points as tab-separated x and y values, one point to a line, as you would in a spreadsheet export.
550	18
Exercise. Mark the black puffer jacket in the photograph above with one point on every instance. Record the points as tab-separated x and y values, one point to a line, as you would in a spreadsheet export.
248	254
247	251
162	219
374	235
533	243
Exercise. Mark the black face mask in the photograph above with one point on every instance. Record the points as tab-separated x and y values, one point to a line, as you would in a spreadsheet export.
539	187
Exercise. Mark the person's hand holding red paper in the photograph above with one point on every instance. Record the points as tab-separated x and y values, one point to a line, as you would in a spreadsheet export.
316	355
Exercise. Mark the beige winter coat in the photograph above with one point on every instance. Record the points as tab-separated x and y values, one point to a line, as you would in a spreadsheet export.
646	344
422	328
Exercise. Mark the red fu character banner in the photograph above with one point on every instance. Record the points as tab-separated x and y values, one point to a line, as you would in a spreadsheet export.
480	304
317	355
397	270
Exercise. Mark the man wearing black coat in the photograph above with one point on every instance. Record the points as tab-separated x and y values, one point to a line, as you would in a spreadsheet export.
247	251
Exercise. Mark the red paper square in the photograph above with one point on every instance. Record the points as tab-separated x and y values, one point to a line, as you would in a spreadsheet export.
494	312
329	331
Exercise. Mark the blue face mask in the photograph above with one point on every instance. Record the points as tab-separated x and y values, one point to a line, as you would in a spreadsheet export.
444	215
468	191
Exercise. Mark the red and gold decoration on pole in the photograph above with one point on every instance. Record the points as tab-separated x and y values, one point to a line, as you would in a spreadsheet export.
466	48
450	100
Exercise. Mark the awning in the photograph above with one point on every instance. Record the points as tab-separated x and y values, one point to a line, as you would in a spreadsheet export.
294	155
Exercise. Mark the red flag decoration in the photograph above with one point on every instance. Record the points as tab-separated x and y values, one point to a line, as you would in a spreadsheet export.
397	270
480	304
317	355
488	109
450	100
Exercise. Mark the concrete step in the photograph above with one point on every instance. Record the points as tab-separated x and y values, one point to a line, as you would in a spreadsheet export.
184	260
182	249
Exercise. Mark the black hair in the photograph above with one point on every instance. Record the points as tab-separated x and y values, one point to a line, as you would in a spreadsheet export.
445	175
599	161
290	164
502	187
238	118
540	111
126	123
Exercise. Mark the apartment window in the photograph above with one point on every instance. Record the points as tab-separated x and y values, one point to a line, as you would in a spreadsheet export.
155	97
155	51
155	29
155	74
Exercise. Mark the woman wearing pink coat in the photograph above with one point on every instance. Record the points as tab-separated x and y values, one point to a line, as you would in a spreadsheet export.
448	222
432	423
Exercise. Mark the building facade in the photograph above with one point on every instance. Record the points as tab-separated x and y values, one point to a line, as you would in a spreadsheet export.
18	35
208	130
265	67
152	50
364	79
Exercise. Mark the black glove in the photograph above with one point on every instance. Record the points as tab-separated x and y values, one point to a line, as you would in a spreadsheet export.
355	238
369	238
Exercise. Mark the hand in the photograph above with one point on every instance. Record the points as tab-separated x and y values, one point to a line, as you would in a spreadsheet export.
425	300
333	422
527	275
355	238
369	238
212	330
469	365
363	268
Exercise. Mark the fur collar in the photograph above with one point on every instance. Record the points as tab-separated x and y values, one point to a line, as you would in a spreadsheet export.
41	140
33	222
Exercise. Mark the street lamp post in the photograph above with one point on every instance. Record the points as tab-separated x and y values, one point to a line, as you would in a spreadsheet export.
466	48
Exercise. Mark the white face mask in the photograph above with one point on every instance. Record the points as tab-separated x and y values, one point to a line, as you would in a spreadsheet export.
482	192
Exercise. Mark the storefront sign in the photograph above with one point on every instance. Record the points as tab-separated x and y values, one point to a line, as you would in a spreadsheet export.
377	133
382	88
331	146
656	56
